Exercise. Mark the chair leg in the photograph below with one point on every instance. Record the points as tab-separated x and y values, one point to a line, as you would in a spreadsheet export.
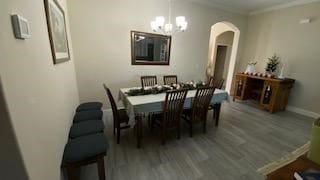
118	136
213	115
217	110
149	120
71	171
163	141
114	128
191	129
101	170
152	126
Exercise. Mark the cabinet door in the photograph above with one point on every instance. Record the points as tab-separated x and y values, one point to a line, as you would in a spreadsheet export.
269	94
239	89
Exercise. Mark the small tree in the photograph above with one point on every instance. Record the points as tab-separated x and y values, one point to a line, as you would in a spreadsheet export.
272	63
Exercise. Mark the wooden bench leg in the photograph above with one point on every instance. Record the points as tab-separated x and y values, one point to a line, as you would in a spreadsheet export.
101	170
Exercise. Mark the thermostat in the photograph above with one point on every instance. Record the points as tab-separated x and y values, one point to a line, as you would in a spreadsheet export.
20	27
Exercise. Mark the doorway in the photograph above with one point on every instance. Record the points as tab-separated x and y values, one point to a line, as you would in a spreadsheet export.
219	67
216	30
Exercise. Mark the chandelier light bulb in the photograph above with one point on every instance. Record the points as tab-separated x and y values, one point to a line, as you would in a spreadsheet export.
183	26
168	28
154	26
180	20
160	21
158	25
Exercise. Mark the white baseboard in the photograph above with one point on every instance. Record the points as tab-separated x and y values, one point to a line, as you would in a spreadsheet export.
303	112
107	110
106	113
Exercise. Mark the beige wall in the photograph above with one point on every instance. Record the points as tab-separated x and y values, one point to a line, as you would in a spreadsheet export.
11	166
298	45
101	40
41	96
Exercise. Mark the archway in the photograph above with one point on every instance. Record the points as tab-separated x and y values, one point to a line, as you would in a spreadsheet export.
216	30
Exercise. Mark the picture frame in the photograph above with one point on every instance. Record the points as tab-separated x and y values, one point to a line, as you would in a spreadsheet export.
57	31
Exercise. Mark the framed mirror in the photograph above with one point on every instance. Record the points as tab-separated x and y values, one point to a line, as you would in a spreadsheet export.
150	49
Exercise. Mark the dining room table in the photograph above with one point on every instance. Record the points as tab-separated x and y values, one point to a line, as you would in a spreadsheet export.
140	106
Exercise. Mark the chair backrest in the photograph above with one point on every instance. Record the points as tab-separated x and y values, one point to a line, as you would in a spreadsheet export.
114	107
201	103
170	79
217	83
172	108
148	81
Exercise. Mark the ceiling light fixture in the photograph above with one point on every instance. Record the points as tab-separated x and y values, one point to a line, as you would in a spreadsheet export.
158	25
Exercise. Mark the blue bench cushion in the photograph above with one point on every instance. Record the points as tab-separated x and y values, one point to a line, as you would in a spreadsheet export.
89	106
87	115
86	128
85	147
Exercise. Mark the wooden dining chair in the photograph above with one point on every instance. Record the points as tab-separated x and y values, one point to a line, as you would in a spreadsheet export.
120	117
199	110
169	120
148	81
217	83
170	79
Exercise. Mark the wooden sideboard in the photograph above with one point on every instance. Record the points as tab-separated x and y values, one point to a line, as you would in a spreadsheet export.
271	94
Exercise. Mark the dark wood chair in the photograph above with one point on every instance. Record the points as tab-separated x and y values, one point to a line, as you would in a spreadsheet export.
198	112
148	81
169	120
170	79
217	83
120	117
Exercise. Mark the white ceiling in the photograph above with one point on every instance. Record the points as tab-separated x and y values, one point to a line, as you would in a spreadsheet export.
251	6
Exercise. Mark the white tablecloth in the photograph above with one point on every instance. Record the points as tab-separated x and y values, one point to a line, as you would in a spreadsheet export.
153	103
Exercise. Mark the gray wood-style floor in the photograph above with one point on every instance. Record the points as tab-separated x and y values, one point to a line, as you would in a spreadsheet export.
246	139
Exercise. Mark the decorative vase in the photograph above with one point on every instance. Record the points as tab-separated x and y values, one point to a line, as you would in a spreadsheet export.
251	68
281	76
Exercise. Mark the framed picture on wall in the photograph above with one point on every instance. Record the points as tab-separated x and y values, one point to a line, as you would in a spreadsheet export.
57	31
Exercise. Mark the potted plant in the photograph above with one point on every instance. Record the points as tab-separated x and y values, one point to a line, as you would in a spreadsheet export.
272	65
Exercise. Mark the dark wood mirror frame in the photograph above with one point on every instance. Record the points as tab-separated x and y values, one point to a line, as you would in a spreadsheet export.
137	61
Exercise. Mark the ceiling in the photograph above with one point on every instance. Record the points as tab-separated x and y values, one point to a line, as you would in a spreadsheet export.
251	6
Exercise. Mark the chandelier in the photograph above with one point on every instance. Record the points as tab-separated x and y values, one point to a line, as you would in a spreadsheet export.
158	25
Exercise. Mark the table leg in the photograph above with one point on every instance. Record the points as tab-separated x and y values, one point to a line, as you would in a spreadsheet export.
217	109
139	130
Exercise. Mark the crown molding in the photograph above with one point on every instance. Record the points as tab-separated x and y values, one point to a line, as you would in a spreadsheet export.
282	6
220	7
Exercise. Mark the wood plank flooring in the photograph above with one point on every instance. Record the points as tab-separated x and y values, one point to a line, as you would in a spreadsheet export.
246	139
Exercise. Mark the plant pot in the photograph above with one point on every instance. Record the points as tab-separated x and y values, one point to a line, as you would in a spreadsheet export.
314	152
270	74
